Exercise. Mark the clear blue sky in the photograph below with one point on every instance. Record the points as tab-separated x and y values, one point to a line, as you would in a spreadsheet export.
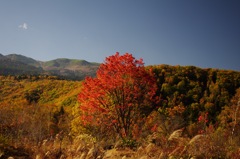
204	33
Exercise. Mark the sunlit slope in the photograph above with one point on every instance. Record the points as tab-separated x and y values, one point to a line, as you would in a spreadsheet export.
43	90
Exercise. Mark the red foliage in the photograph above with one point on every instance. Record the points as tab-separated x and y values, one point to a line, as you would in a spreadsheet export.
120	95
154	128
203	120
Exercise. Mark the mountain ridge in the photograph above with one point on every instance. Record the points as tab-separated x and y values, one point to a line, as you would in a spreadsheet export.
73	69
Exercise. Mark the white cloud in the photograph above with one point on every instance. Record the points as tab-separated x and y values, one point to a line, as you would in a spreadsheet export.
23	26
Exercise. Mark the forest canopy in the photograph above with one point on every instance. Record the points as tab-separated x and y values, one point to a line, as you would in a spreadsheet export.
137	101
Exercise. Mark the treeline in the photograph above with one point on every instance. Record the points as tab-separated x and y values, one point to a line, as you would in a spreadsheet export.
195	90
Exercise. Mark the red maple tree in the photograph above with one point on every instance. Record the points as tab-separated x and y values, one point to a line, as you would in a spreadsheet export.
120	96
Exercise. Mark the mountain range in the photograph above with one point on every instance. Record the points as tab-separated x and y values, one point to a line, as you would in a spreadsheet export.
73	69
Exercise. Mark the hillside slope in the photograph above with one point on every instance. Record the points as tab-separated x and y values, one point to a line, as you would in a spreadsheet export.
42	89
71	68
23	59
15	67
195	90
192	88
14	64
198	104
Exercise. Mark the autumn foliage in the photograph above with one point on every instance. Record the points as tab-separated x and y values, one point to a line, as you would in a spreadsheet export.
120	96
197	114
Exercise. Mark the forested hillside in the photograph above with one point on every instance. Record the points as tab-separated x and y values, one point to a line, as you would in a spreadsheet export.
24	89
9	67
193	100
195	90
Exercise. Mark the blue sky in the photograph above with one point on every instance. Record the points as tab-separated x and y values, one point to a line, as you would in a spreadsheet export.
203	33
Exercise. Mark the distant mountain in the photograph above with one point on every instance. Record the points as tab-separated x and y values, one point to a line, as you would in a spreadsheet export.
13	67
14	64
23	59
2	56
72	68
